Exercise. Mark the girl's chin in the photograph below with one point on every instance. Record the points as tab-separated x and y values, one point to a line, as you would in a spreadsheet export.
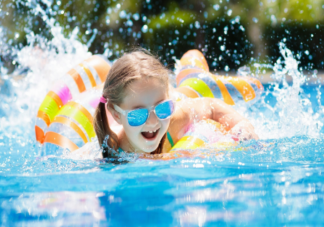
149	149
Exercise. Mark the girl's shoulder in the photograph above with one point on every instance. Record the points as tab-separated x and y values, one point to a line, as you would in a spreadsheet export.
185	113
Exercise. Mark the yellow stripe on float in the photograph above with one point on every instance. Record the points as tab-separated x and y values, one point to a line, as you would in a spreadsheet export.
82	109
198	85
188	142
226	95
49	106
76	114
185	72
188	91
56	98
243	87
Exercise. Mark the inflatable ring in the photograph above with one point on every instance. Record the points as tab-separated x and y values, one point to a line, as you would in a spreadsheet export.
64	119
194	80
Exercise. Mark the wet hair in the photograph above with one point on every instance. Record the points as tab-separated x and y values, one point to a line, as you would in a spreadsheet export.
127	69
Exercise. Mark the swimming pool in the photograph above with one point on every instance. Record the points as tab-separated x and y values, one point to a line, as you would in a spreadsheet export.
274	181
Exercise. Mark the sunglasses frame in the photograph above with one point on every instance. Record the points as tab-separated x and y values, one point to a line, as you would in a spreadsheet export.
125	112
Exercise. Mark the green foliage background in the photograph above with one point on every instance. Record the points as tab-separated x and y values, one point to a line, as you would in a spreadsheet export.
231	33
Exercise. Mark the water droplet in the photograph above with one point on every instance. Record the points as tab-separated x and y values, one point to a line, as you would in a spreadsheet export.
226	68
229	12
136	16
216	7
306	52
255	20
118	6
144	28
129	23
317	26
242	28
225	30
197	24
244	71
122	14
222	47
273	19
214	30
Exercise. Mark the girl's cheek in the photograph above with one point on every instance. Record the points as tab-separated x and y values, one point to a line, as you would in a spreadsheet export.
165	124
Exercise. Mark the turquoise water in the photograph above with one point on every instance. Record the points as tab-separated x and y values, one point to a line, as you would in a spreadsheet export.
270	182
274	181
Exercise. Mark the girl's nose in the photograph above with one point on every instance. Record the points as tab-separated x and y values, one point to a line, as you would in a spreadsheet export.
152	119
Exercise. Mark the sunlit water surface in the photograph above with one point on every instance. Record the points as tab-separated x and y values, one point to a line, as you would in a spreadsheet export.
274	181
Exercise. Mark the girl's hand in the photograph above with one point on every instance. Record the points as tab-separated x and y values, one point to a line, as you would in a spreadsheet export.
244	130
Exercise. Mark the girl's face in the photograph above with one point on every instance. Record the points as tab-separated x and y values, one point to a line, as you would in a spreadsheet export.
144	93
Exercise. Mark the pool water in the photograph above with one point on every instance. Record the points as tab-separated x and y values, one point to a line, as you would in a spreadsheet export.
274	181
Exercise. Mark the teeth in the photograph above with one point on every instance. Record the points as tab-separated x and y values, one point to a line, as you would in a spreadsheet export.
152	131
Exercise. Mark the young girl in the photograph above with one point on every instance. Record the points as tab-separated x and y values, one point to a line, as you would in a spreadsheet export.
137	95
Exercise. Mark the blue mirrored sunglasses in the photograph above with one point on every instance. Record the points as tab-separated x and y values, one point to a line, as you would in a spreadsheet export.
138	117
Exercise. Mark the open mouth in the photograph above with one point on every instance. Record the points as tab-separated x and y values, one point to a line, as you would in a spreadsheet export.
150	135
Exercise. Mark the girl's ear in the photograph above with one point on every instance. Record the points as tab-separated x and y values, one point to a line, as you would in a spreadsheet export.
111	111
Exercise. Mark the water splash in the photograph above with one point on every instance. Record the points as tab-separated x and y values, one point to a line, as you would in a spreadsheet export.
40	63
293	114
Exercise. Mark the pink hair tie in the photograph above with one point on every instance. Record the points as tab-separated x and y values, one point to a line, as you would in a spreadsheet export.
103	100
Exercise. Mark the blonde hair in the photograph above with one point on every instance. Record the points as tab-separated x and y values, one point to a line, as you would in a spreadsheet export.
130	67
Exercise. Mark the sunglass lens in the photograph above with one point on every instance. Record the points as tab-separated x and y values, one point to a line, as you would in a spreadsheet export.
137	117
164	110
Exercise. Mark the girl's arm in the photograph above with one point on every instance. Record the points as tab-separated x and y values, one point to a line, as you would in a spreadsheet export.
190	110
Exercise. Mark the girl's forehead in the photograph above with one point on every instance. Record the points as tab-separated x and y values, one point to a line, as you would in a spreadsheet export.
144	92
